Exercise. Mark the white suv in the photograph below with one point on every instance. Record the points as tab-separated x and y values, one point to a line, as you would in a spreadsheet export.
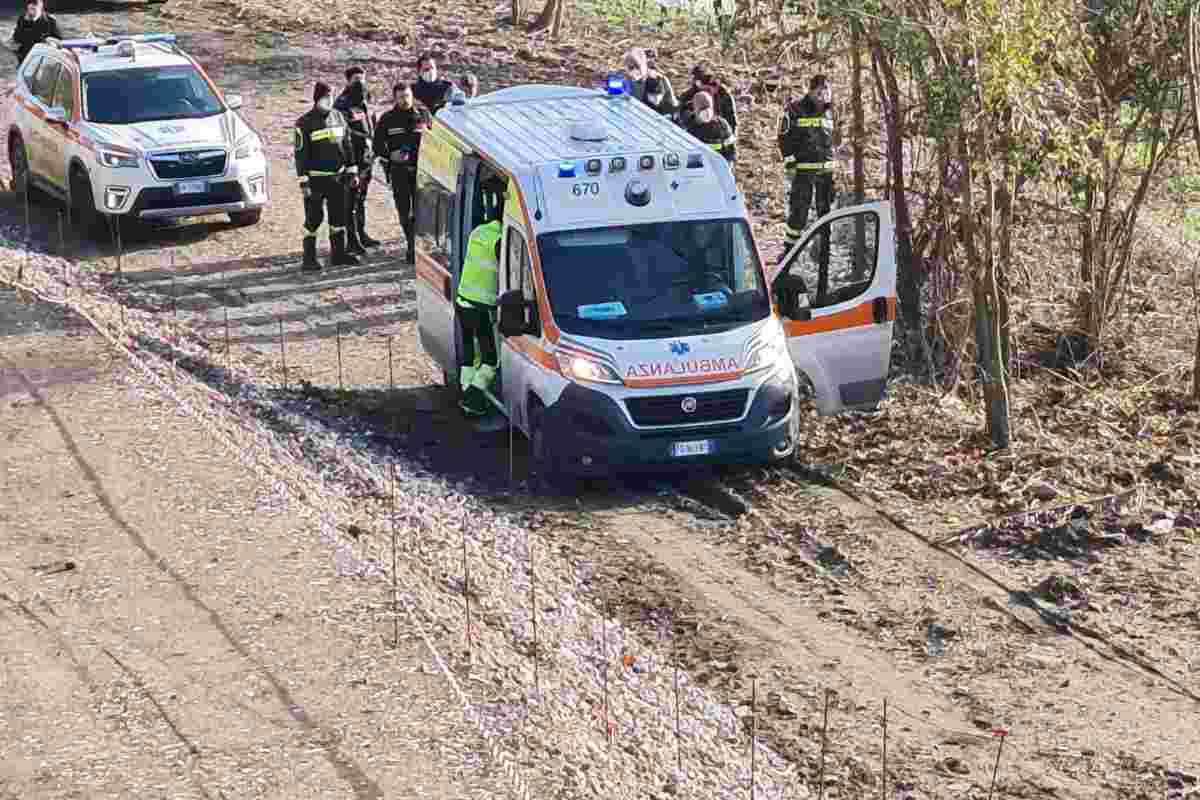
131	127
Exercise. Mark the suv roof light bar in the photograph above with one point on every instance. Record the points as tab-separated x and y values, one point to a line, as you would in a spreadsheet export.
94	43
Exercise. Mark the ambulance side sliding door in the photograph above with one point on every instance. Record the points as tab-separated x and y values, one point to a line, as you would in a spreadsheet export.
436	272
517	370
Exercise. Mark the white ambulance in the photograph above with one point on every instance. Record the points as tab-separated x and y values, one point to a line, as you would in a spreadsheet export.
637	325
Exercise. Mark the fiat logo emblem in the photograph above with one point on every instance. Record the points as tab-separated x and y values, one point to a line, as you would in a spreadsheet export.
688	405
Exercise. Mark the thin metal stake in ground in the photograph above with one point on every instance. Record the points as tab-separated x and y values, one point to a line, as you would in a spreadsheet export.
824	742
228	354
120	249
28	237
604	660
537	680
753	731
678	745
62	252
174	290
395	590
339	354
466	584
283	354
883	772
391	374
1003	734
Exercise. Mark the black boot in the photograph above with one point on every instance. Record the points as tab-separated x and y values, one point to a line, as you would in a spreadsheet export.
341	258
411	256
363	237
310	263
352	243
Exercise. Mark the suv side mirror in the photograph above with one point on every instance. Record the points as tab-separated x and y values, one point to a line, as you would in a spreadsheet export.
57	116
793	297
512	313
233	101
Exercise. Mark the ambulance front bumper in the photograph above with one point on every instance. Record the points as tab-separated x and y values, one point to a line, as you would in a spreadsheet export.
589	432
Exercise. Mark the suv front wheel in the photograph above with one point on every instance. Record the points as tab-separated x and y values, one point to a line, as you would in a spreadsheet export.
83	204
18	161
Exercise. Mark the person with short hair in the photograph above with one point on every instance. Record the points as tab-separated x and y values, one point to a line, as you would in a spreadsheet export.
324	163
34	26
714	131
353	104
397	144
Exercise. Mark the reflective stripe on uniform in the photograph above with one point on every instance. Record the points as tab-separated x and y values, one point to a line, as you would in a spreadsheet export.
336	229
481	269
321	173
321	134
814	122
793	233
819	166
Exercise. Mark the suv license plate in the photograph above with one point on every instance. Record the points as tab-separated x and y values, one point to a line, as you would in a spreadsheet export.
191	187
701	448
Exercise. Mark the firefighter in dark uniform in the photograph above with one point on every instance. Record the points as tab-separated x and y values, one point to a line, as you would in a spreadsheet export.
806	143
352	104
397	143
714	131
324	162
434	92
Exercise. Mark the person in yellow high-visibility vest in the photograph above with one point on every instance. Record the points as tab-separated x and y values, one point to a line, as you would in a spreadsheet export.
806	141
476	303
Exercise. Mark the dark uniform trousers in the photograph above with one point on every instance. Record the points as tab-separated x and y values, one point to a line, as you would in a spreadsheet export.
325	192
356	203
475	322
808	185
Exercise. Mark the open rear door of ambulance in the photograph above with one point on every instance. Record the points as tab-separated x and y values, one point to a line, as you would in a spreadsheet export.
836	292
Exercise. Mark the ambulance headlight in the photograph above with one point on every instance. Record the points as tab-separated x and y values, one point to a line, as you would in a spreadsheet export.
637	193
585	369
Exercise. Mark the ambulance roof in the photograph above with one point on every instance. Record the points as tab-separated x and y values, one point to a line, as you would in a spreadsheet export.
576	153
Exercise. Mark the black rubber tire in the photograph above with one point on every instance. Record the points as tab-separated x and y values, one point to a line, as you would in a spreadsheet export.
244	219
18	161
83	207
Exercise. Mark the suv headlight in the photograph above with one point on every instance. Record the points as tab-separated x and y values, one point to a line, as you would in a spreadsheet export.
247	147
114	159
585	369
764	354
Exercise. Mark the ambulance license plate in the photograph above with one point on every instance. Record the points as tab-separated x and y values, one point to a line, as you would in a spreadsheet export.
191	187
701	448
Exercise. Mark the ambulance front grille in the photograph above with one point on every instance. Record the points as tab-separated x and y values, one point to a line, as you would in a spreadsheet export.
703	407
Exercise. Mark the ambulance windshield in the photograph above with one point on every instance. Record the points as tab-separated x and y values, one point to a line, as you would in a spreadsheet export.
655	279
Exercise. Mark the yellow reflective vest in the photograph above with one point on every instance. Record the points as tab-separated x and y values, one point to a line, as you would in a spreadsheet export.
481	270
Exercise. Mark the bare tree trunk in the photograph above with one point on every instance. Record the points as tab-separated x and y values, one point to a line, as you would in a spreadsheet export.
1193	53
559	9
909	276
858	135
517	13
549	12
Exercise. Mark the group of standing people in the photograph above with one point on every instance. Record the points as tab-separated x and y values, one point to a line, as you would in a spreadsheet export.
707	111
337	144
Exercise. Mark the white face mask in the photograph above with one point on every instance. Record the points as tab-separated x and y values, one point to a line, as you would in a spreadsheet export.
325	104
635	73
705	116
654	99
429	75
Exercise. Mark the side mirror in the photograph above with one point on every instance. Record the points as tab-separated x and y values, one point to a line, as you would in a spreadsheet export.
793	297
57	116
233	101
512	313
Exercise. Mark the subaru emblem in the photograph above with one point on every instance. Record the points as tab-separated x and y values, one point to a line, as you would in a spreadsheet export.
688	405
679	348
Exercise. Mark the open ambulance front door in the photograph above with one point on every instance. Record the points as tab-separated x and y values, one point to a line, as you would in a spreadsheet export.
836	292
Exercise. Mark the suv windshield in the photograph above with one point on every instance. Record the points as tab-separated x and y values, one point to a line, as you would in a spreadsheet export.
129	96
661	278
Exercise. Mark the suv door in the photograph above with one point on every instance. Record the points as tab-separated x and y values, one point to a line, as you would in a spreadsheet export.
837	292
57	152
22	114
45	80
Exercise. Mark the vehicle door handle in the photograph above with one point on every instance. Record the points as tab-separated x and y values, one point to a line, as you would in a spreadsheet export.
880	309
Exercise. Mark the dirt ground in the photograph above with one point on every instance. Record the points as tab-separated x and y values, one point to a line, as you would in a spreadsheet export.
169	632
766	573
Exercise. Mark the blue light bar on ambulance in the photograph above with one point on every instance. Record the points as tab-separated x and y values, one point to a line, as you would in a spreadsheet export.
142	38
616	83
566	169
